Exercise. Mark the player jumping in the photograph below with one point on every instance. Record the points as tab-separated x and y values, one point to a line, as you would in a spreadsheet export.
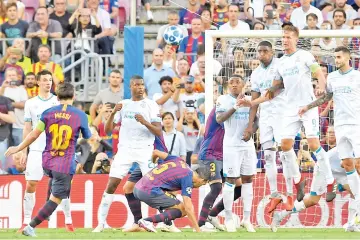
155	187
294	75
62	125
239	156
140	123
34	107
270	121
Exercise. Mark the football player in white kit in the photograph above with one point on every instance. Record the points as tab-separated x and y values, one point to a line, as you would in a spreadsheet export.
270	121
294	75
33	109
140	122
239	156
344	87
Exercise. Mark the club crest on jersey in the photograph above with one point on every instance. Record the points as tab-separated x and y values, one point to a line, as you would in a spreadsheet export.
188	190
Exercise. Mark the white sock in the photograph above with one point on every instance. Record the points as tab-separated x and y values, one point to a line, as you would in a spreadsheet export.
292	165
271	170
228	198
287	175
352	210
324	164
65	206
354	183
29	204
247	195
105	204
299	206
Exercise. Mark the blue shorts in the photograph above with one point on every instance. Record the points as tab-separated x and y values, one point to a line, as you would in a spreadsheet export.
216	168
135	175
60	183
159	201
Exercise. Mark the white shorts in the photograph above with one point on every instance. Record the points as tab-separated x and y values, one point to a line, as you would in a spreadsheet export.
270	129
340	177
348	141
239	161
318	184
125	158
292	124
34	170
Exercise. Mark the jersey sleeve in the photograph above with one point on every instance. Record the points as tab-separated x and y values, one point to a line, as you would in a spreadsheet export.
85	130
220	104
309	60
42	122
328	85
254	85
27	114
187	185
154	112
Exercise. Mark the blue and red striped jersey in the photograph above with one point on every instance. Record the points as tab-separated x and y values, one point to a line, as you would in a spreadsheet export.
212	146
189	46
185	18
62	125
172	175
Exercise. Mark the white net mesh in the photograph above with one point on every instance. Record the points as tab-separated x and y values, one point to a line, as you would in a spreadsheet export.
238	56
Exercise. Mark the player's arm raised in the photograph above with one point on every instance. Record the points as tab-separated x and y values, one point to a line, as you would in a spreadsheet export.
110	125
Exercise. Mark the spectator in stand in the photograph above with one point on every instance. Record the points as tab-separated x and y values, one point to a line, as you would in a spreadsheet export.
41	31
187	14
62	16
173	20
7	117
329	141
183	68
207	20
221	13
81	26
259	26
354	44
18	96
112	7
13	55
3	17
44	56
272	21
311	22
304	158
298	16
170	56
24	62
157	70
199	78
189	125
174	140
30	85
20	8
113	95
339	16
194	70
147	7
189	44
169	98
105	40
351	14
189	98
14	27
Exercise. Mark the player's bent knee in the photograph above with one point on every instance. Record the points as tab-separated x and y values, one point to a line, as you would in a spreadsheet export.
181	207
312	200
314	143
247	179
348	164
286	144
112	185
31	186
129	187
238	182
216	188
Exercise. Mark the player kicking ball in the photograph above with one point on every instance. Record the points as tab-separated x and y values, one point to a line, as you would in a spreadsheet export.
33	109
156	186
340	176
62	125
135	204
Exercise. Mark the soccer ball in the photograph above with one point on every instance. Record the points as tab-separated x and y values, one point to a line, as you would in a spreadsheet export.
173	35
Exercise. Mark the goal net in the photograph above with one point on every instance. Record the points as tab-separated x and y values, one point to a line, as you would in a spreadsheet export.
236	52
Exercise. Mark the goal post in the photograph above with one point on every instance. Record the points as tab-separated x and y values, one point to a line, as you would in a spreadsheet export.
321	43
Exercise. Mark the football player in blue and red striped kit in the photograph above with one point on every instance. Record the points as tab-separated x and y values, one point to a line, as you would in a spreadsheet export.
156	186
62	125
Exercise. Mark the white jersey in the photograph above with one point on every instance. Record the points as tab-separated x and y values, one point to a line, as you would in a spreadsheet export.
346	94
294	71
236	124
33	109
132	133
261	80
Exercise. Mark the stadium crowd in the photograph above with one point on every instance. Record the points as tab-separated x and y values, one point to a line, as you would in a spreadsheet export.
175	79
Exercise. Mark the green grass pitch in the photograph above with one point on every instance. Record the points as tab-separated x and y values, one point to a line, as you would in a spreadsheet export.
284	233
